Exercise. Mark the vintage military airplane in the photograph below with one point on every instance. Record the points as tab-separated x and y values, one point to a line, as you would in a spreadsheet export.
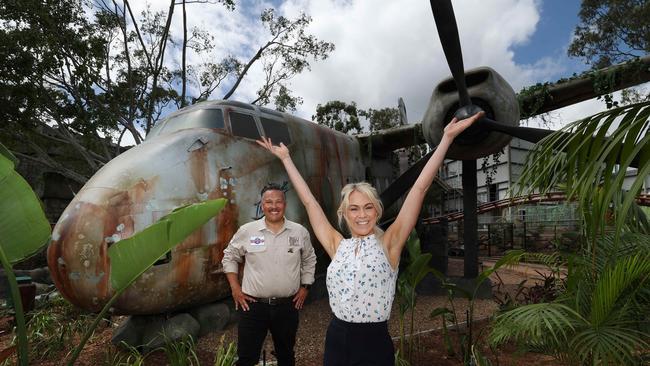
208	150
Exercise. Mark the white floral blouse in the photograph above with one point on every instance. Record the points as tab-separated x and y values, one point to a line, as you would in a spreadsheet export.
361	286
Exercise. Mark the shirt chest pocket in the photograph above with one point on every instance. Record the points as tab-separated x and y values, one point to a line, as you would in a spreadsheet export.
294	246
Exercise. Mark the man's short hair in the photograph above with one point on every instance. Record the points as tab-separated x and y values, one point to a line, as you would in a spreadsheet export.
273	187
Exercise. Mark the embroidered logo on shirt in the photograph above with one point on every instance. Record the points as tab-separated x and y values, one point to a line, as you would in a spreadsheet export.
294	241
257	240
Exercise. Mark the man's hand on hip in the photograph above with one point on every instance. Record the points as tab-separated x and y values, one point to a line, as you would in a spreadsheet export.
241	299
299	299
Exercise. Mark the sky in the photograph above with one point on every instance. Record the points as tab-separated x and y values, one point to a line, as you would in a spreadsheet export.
386	49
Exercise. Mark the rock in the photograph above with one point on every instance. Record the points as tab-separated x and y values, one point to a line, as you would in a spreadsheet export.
173	329
234	314
151	334
211	317
130	331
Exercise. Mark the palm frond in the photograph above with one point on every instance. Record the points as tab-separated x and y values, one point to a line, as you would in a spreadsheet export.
610	248
537	324
637	220
609	345
596	154
621	279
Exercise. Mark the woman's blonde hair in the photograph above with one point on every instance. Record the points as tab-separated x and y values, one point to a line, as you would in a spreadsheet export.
361	187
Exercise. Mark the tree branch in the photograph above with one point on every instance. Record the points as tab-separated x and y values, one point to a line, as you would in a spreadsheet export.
245	70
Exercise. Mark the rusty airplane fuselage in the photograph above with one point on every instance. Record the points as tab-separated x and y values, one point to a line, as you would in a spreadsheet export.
202	152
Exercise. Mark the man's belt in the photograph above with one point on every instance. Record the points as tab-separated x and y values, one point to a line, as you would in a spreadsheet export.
274	300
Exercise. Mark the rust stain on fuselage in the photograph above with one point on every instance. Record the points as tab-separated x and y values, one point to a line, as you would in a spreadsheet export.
182	258
227	221
78	257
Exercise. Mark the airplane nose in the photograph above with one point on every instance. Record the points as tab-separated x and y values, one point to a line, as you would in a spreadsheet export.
128	194
77	254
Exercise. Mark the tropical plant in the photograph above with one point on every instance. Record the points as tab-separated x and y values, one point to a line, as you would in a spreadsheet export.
594	164
411	275
113	357
52	329
23	231
133	256
466	342
601	316
132	356
545	291
181	352
226	355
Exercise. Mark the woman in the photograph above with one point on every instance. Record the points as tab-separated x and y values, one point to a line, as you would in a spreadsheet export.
361	278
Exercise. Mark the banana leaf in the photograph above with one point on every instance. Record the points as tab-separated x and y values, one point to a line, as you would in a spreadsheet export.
24	230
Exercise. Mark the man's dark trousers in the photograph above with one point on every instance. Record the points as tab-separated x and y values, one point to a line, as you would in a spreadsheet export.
280	319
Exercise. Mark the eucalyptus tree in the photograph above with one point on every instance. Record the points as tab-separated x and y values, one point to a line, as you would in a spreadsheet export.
52	56
611	32
339	116
82	74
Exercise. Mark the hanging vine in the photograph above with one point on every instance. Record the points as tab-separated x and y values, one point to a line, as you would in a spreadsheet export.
490	168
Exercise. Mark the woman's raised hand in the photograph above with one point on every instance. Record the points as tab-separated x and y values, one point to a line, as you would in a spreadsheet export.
282	152
455	127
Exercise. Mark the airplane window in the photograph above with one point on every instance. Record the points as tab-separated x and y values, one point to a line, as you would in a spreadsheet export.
276	130
243	125
206	118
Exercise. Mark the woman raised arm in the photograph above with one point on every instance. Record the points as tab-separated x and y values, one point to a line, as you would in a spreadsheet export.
397	233
362	275
326	234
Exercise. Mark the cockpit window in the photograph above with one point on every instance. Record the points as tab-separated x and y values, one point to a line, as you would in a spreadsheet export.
243	125
202	118
277	131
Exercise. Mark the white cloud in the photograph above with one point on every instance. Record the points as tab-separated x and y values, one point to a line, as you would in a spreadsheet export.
385	49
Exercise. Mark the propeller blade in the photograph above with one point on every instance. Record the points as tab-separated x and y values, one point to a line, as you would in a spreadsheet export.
443	14
530	134
403	183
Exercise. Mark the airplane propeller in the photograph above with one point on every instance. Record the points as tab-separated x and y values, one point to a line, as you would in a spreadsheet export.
474	138
484	89
443	14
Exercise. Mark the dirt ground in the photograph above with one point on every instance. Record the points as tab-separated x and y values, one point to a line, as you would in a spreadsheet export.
429	347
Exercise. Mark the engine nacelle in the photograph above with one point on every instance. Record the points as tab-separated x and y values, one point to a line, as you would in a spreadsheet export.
489	91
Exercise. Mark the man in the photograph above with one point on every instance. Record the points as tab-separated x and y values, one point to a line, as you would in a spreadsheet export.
279	268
